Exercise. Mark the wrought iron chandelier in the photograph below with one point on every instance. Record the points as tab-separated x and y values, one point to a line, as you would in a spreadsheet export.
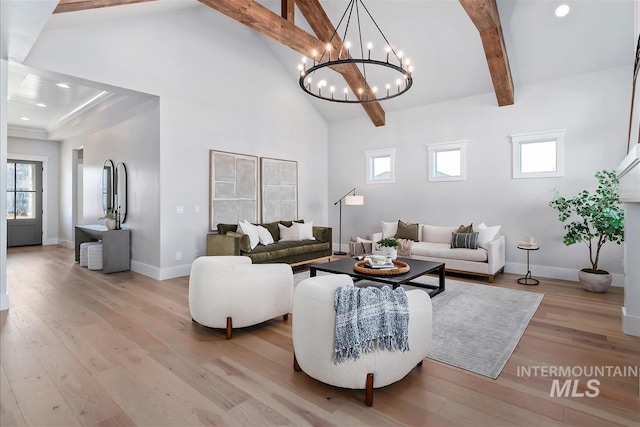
383	79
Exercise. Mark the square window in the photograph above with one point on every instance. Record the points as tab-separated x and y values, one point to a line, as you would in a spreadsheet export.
538	155
448	161
380	166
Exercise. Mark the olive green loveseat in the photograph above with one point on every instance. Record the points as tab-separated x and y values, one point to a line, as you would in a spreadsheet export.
228	242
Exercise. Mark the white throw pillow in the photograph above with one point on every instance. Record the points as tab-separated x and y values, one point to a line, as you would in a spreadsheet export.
252	231
305	230
487	234
265	236
389	229
288	233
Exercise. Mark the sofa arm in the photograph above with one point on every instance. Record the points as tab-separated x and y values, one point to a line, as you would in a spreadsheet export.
227	244
375	238
322	234
496	254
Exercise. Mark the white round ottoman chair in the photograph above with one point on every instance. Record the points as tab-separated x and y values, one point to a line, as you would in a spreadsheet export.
230	292
313	333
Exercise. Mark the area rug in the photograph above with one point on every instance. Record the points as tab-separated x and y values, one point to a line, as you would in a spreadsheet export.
475	327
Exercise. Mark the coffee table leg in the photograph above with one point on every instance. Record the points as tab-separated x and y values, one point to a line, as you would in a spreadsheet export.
312	272
441	279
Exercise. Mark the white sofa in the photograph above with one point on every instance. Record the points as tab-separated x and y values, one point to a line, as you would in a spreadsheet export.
434	244
313	332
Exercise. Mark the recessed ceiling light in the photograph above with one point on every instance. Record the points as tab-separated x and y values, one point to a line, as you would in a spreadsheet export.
40	104
63	85
562	10
25	118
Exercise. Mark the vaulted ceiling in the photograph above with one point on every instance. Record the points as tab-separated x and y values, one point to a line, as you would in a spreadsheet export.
459	48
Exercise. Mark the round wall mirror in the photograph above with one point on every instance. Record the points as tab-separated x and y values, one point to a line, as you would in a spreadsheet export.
121	191
107	186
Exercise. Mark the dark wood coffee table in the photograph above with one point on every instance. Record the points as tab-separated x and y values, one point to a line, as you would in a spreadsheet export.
417	268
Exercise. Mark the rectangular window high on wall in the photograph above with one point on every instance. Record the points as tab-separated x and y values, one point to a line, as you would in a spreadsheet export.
538	155
448	161
380	166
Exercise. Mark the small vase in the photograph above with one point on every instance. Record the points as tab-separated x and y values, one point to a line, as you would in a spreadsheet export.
390	252
111	224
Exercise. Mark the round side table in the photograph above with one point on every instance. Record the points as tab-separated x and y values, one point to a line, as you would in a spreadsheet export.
527	279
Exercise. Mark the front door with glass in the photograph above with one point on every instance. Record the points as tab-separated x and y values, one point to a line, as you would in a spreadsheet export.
24	203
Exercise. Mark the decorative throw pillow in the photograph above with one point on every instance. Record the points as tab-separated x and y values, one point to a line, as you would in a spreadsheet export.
465	228
487	234
464	240
407	230
389	229
305	230
250	230
265	236
288	233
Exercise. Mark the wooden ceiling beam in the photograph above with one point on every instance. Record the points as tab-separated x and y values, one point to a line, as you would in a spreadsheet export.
75	5
267	23
288	10
484	15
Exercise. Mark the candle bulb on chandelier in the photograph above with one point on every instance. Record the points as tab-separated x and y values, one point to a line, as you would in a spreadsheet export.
332	89
400	54
345	93
398	83
388	88
369	46
387	49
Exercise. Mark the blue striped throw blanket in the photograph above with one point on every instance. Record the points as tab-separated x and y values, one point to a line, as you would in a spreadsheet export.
369	319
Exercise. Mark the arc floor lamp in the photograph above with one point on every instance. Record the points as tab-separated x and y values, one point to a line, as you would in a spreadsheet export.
352	200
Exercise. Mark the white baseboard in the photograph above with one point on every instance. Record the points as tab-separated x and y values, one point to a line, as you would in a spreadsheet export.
554	272
50	241
161	273
630	324
4	302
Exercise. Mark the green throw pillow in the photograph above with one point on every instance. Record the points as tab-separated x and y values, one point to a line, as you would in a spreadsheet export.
465	229
407	231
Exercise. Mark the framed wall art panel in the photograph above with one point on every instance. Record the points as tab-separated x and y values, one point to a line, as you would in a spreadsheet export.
233	188
279	180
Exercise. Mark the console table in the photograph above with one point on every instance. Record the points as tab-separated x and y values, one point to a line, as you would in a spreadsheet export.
116	246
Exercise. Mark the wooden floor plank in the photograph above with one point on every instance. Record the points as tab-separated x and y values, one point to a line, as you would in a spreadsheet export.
83	347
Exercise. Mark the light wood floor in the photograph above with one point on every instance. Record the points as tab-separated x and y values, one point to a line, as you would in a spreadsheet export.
79	347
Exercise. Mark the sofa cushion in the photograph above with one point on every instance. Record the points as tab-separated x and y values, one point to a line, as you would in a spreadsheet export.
407	230
464	240
289	233
444	250
250	230
437	234
273	229
487	234
305	230
465	228
286	249
265	236
389	229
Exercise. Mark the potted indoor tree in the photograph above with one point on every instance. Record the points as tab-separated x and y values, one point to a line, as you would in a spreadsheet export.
595	219
389	247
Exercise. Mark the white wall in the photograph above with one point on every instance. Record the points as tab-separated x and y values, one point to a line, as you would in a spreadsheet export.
4	294
219	88
133	140
48	153
593	108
